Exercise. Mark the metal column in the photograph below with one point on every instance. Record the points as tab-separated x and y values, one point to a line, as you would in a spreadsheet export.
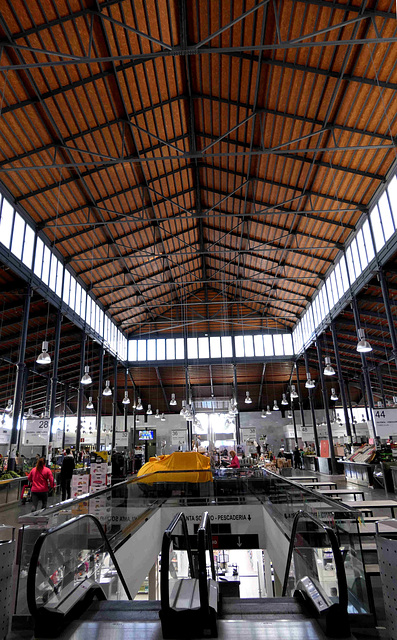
389	315
364	365
99	402
341	380
311	402
351	411
19	380
80	396
126	405
298	389
54	379
114	407
23	402
325	402
294	422
65	409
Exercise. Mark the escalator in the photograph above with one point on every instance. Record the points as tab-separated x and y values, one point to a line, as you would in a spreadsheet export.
87	597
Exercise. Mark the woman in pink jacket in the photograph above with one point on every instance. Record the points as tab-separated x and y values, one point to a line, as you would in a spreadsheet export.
41	480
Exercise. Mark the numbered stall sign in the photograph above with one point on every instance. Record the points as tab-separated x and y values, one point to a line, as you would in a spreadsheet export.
36	431
386	422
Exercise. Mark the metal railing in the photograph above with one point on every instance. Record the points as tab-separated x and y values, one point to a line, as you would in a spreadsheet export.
165	549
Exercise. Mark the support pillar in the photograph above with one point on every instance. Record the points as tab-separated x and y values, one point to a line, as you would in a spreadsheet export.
23	402
65	410
351	411
114	406
364	365
54	379
126	406
311	403
298	389
342	389
294	422
80	396
19	380
389	315
99	402
325	402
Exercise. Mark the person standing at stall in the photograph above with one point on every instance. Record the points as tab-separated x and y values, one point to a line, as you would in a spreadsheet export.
66	474
41	480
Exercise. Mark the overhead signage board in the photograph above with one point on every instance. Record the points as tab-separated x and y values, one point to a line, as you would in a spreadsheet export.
386	422
121	439
178	437
249	435
5	435
36	431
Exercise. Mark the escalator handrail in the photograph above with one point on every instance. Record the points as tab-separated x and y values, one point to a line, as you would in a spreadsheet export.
339	565
204	543
31	580
165	548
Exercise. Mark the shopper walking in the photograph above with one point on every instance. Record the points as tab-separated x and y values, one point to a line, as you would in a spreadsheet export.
66	474
41	480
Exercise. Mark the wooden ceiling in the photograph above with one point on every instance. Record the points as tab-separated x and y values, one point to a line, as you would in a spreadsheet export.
198	165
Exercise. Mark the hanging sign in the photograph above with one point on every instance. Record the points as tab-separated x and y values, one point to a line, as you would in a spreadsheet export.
386	422
36	431
121	439
249	435
5	435
178	437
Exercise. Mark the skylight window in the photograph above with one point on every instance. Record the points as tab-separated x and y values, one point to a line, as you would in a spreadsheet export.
227	347
385	216
18	236
204	349
239	346
7	215
377	229
179	349
258	344
27	256
248	346
170	345
161	349
151	349
215	347
141	350
268	345
192	348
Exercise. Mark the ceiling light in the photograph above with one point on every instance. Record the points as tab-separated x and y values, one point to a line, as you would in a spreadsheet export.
89	403
30	413
188	413
275	406
395	399
293	392
8	408
157	414
126	399
136	419
149	410
44	357
333	395
363	346
379	403
86	379
139	406
263	414
268	412
284	399
289	416
107	390
247	398
173	400
310	384
328	369
162	417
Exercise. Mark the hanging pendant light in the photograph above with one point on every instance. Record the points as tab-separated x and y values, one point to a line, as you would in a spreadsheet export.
275	406
188	413
157	414
126	399
328	369
89	403
310	384
162	417
293	392
268	412
136	419
149	410
139	406
284	399
333	395
247	398
44	357
173	400
86	379
363	346
8	408
289	416
379	403
263	415
107	390
30	413
183	409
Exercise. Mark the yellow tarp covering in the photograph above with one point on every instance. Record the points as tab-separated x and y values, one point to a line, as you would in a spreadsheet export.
179	460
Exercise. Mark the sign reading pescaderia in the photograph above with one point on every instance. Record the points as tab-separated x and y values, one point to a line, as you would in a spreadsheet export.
36	431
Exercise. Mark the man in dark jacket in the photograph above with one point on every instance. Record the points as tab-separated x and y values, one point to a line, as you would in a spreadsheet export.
66	474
